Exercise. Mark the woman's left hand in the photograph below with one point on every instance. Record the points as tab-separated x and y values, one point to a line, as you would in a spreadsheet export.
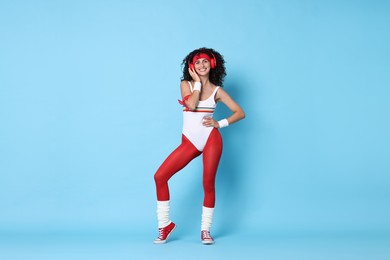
210	122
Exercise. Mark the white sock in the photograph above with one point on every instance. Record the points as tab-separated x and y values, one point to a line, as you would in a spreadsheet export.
207	218
163	213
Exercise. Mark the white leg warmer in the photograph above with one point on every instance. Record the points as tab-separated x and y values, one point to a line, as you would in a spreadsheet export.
163	213
207	218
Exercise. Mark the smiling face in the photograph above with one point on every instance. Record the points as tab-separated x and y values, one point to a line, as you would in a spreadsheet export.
202	66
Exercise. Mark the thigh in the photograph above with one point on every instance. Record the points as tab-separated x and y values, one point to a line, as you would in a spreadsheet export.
179	158
212	152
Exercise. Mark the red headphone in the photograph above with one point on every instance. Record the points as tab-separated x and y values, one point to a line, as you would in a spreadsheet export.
213	60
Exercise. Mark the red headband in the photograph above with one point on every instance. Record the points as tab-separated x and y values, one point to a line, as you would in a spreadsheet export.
201	55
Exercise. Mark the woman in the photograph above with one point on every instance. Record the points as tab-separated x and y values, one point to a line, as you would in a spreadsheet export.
201	90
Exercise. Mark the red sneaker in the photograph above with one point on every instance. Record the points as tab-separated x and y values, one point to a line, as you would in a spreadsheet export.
207	238
164	233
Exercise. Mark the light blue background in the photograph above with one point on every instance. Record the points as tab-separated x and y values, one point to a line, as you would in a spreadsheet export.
88	111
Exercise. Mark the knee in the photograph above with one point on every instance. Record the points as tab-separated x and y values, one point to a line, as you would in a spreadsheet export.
158	178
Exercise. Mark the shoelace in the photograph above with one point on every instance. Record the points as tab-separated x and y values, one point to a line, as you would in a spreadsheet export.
160	233
206	235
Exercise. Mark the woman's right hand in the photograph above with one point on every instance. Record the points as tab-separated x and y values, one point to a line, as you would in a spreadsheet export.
194	75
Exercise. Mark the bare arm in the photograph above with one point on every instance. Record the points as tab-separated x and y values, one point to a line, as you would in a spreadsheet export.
237	112
193	98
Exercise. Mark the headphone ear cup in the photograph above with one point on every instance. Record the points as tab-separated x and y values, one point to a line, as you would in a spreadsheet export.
213	62
190	65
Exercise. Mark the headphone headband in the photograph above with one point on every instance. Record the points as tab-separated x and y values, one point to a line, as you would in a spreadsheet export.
200	55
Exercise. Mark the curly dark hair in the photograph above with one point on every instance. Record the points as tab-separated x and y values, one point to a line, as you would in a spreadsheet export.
217	75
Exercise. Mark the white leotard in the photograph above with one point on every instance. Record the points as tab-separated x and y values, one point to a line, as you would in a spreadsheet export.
192	121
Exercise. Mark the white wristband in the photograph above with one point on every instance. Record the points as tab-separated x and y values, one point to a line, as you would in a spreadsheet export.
223	123
197	86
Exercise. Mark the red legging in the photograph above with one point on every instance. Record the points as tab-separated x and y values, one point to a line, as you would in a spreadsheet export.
181	156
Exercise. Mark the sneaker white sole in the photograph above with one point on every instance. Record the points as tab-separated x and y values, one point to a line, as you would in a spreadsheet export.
156	241
206	242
